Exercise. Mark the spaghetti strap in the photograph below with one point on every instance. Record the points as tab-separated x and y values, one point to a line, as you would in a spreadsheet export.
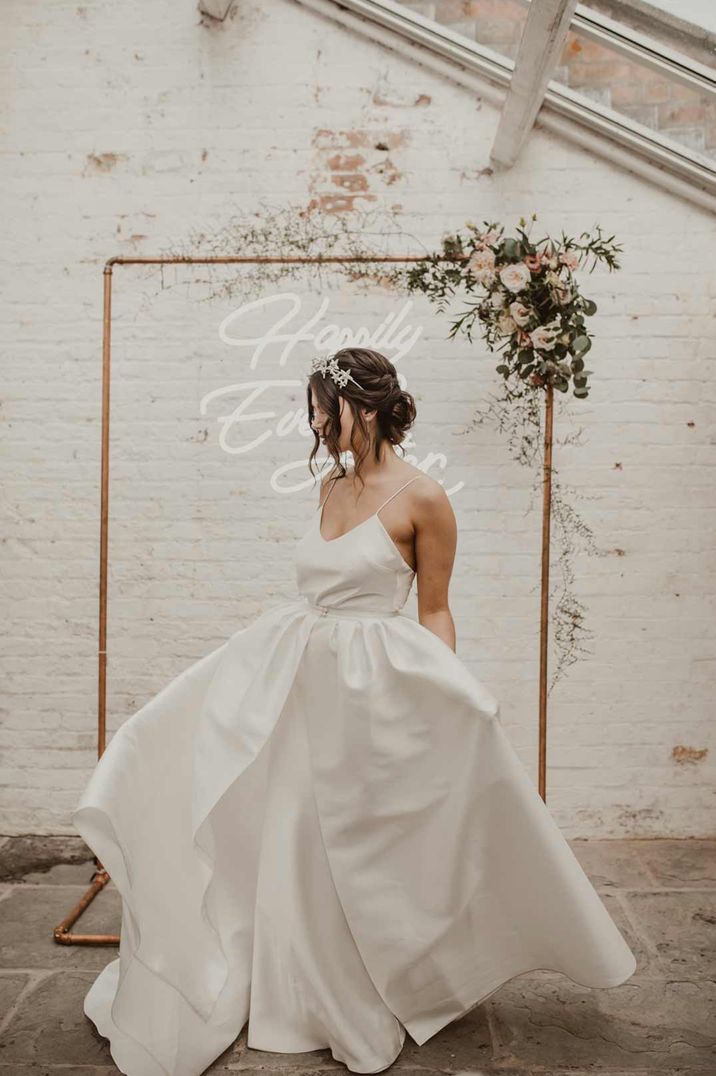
330	491
396	492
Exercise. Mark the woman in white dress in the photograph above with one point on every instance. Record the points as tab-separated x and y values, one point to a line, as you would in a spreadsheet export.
320	829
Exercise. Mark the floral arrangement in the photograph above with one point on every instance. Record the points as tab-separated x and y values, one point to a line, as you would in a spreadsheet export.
527	298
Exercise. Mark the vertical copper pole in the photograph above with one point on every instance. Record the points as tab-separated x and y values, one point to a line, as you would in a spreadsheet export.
104	518
544	610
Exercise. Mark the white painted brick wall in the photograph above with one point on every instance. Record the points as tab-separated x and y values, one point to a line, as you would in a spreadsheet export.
129	127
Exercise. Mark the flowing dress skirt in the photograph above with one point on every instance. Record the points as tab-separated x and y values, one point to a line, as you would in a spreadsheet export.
321	828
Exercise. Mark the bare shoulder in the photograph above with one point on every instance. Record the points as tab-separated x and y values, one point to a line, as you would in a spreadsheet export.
430	498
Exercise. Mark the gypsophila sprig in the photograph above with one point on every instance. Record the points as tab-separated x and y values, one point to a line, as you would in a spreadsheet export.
527	299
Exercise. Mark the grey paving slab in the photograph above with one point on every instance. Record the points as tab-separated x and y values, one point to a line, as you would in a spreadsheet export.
612	864
59	860
34	1068
640	1027
464	1044
685	863
681	930
50	1027
29	916
661	894
11	986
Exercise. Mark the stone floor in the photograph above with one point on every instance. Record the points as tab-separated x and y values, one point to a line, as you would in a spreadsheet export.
662	895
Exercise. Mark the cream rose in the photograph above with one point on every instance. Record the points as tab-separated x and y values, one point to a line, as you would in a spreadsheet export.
544	337
506	324
520	312
515	277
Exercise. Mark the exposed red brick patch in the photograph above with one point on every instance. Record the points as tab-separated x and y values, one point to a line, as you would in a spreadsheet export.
325	139
385	99
337	203
103	162
345	162
355	182
388	171
683	754
354	161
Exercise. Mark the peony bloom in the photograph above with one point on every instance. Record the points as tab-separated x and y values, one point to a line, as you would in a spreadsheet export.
480	260
515	277
498	299
520	312
486	277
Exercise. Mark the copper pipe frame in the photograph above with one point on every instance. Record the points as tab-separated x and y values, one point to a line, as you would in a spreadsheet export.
62	933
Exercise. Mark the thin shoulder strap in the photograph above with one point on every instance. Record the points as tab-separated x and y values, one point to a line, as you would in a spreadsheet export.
397	492
332	483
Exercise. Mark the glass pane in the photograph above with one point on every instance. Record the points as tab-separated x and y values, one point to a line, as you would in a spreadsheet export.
648	96
638	91
497	24
685	26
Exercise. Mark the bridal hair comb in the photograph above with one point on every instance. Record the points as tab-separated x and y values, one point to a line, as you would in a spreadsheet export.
328	364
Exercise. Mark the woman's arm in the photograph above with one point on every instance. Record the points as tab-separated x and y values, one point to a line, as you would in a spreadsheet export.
435	545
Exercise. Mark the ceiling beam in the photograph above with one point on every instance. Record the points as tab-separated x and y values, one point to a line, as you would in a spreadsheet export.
543	38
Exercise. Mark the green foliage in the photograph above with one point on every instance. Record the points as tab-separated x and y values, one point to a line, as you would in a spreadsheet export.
523	295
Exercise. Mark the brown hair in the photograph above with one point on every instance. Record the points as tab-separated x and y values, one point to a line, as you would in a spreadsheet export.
379	390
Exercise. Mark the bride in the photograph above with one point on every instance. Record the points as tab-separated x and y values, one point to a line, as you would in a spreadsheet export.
319	830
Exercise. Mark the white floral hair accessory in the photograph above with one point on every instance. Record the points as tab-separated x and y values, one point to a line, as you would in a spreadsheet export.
328	364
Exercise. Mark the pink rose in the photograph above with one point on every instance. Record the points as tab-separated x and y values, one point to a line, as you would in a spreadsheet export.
570	259
520	312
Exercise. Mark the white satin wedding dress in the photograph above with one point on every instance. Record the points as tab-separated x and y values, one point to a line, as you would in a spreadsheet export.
321	828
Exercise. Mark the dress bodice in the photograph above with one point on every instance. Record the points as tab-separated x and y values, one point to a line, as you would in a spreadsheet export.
362	570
